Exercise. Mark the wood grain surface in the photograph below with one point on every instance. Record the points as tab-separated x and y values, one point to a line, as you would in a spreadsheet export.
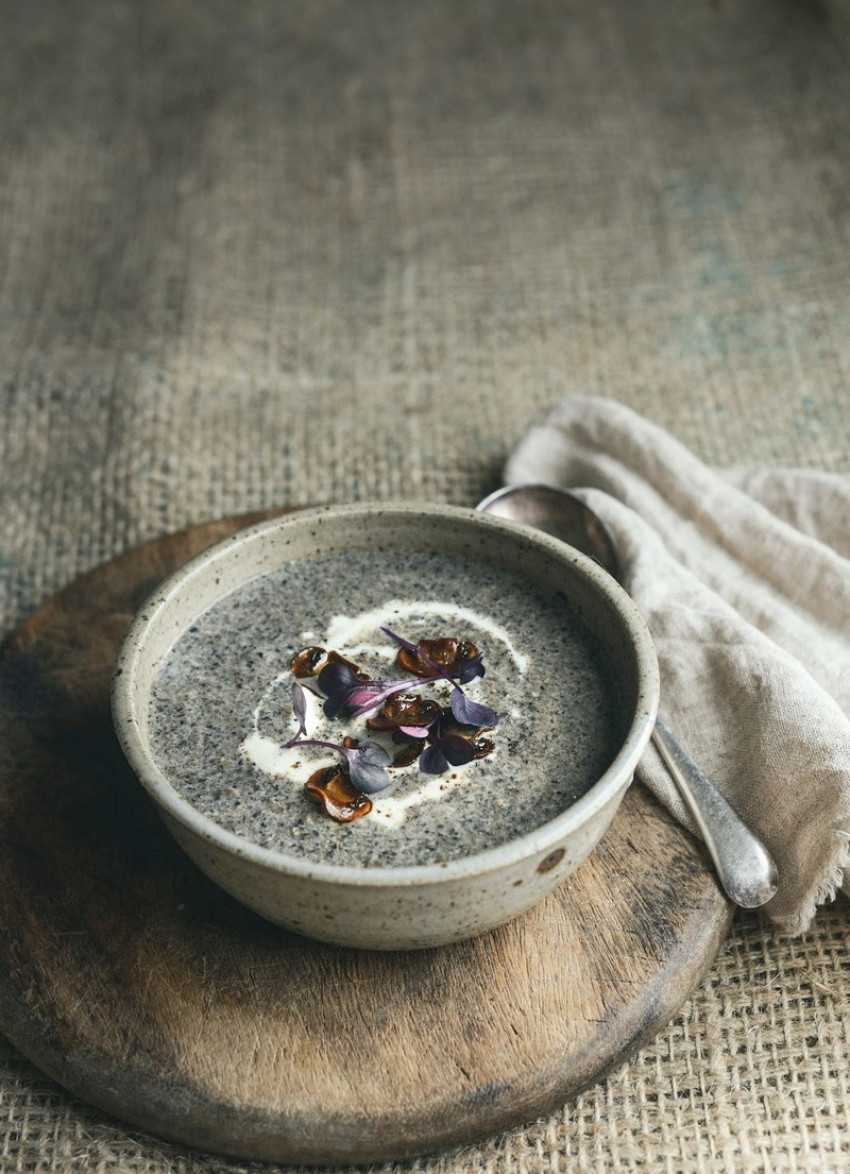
128	977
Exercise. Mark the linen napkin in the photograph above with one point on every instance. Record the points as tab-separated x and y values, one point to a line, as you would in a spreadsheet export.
743	577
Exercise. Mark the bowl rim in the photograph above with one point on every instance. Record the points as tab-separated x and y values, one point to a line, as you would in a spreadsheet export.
514	851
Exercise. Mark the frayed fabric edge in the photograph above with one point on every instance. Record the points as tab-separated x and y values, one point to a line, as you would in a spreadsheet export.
825	889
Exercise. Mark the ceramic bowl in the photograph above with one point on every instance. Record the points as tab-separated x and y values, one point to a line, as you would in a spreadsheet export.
390	907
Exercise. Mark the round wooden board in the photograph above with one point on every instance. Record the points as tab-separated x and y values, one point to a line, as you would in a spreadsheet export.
134	982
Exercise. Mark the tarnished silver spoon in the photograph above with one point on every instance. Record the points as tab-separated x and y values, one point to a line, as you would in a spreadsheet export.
745	867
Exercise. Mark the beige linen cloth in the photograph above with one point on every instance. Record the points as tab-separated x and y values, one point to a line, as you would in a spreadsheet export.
743	577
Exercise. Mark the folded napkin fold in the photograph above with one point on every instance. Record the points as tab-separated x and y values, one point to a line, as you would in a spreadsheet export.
743	577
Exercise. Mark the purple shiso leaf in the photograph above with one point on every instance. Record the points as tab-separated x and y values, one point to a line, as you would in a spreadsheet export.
451	750
414	731
336	681
432	761
456	749
369	752
346	694
364	701
470	668
367	765
335	675
470	713
299	708
366	762
344	691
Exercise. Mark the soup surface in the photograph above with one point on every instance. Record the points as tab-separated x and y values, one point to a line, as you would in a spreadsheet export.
221	714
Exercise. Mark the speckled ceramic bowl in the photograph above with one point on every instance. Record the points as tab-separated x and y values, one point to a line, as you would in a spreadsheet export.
390	907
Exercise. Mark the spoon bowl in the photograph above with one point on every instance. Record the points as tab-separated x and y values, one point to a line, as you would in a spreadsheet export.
559	513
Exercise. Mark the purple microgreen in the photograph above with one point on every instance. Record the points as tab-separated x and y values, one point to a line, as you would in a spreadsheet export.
457	750
367	765
374	695
450	750
337	682
470	713
415	731
348	696
470	668
405	737
432	760
299	708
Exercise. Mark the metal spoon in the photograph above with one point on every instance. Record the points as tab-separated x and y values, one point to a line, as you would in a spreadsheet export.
745	867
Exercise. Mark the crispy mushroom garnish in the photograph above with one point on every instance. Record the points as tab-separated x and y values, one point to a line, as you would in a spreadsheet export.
447	653
404	709
308	661
332	789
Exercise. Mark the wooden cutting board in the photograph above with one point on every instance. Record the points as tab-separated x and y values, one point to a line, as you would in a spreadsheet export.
129	978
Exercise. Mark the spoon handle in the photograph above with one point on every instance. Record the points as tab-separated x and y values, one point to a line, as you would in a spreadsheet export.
745	867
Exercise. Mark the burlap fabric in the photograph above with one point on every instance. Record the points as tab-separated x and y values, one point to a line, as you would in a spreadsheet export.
266	253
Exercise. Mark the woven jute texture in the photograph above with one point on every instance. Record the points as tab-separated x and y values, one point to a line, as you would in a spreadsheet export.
272	253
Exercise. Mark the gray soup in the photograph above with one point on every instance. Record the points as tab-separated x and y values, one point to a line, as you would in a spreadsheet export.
221	713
